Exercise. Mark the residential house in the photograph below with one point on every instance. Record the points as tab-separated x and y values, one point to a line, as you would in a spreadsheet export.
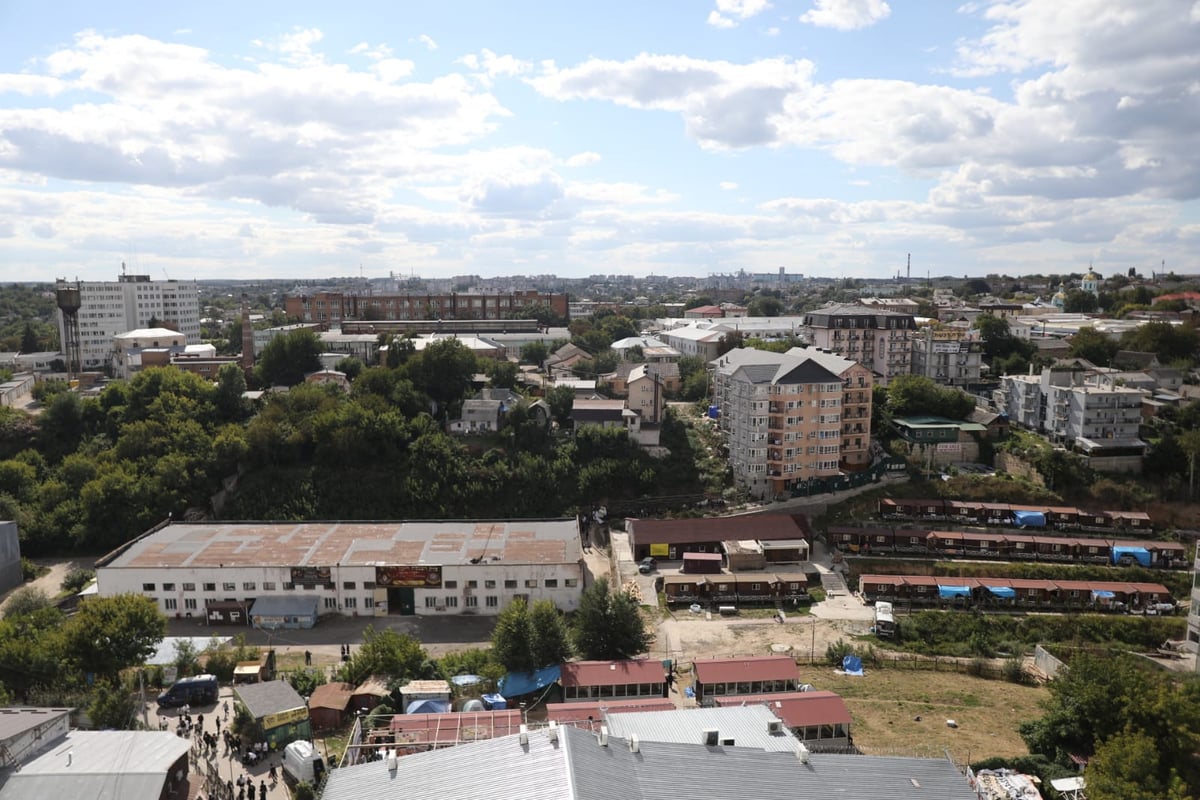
646	394
948	355
478	416
592	681
743	676
701	341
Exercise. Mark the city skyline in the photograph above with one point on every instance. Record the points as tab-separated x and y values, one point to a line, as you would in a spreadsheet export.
829	137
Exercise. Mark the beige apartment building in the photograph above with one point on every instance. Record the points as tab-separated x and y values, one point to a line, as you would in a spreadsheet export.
782	416
880	340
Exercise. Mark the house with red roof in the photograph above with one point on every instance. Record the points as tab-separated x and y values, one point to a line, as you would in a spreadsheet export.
593	681
819	719
743	676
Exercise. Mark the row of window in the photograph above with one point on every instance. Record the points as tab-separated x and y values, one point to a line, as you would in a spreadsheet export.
269	586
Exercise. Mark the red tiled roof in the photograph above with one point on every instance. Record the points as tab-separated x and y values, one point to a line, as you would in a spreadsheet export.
612	673
797	709
763	527
579	713
735	670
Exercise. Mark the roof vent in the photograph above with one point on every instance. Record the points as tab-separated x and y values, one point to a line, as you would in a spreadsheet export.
802	754
712	737
774	726
391	761
553	731
634	745
524	735
603	737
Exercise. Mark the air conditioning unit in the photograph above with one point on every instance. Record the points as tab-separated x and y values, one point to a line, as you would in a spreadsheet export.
712	737
634	744
603	737
553	731
523	737
775	727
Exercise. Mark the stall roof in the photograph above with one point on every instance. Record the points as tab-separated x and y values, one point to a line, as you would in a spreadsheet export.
286	605
131	765
761	527
269	697
798	709
751	668
332	695
612	673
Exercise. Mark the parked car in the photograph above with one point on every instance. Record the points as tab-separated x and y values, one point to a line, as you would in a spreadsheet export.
647	565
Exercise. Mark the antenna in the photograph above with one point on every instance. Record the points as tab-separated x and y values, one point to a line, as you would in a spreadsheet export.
908	269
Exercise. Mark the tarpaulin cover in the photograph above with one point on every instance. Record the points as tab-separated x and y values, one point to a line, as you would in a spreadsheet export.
427	707
466	680
1102	594
1141	554
953	591
1030	519
495	702
852	665
1003	591
515	684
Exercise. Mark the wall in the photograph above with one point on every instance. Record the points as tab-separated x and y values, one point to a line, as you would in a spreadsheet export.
1013	465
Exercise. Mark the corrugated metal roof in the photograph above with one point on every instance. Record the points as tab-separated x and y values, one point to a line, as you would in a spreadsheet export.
100	765
740	726
752	668
269	697
761	527
609	673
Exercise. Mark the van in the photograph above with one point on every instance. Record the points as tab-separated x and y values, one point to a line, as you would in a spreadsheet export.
200	690
302	764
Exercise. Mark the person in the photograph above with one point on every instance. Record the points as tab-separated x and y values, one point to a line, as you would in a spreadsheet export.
226	707
250	790
308	658
241	781
273	775
262	790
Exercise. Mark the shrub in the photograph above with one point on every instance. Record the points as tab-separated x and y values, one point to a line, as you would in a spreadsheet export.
837	651
76	579
1013	671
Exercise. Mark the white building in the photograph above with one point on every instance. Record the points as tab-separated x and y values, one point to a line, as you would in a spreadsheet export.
109	308
947	355
880	340
128	347
367	568
701	340
1193	620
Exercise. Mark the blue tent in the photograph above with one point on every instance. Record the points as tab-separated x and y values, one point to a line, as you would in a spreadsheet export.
1006	592
515	684
1102	594
427	707
1030	519
947	592
1139	554
852	665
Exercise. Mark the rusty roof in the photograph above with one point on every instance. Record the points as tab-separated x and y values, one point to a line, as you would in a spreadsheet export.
762	527
612	673
225	544
741	670
331	695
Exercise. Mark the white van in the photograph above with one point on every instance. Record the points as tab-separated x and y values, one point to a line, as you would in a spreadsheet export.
301	763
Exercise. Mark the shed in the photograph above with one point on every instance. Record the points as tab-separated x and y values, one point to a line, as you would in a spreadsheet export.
285	611
701	563
131	765
417	691
370	693
278	708
329	706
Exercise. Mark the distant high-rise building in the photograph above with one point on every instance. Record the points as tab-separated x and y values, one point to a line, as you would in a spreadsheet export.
880	340
110	308
332	308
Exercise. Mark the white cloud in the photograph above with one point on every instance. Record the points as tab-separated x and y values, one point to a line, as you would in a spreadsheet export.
846	15
582	159
729	13
428	41
728	186
488	66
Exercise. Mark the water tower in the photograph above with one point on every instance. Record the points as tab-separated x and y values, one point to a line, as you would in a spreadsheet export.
67	297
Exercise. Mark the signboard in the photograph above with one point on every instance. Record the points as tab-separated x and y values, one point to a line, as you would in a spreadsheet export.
659	549
949	447
311	575
413	576
945	347
283	718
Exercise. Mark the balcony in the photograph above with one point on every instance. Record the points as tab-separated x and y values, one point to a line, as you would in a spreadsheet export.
775	423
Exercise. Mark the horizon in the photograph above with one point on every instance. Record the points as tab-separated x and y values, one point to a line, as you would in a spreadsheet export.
830	137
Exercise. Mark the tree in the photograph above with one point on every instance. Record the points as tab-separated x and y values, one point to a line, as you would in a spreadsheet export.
1189	440
1169	342
187	657
534	353
108	634
1093	345
444	370
288	358
731	341
765	306
1077	301
502	373
351	366
385	653
609	626
1129	766
230	395
910	395
549	636
114	706
512	638
29	339
25	601
561	400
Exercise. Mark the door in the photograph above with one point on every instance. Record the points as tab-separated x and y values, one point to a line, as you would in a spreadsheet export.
402	600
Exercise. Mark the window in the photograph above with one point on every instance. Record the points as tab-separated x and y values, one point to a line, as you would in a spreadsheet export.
348	585
189	587
368	602
471	601
229	587
450	584
331	602
189	603
431	602
492	602
551	583
287	587
210	587
170	587
350	602
571	583
451	601
472	584
268	586
147	587
170	604
531	583
248	586
510	584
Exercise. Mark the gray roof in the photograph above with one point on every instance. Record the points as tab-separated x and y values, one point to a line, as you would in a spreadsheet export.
747	726
100	765
14	721
286	605
270	697
578	767
761	366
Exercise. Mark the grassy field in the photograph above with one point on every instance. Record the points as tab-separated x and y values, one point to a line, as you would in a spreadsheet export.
886	702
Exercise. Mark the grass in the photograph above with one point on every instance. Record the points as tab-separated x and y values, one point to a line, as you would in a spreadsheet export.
886	702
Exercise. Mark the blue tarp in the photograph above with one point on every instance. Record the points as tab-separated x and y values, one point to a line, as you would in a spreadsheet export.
852	665
427	707
1102	594
1030	519
515	684
495	702
1003	591
946	592
1139	554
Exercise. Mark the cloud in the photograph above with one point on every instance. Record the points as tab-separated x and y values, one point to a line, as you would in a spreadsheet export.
43	230
516	195
582	159
428	41
488	66
729	13
846	15
728	186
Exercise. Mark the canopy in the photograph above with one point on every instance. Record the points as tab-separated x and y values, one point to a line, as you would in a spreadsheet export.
466	680
515	684
1030	519
852	665
1003	591
945	592
427	707
1139	554
1102	594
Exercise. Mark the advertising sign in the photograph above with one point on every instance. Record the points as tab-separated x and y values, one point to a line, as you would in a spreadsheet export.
659	549
283	718
411	576
311	575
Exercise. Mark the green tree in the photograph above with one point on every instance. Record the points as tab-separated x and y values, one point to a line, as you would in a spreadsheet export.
534	353
512	638
765	306
108	634
1189	440
77	579
731	341
561	400
1093	345
608	625
29	339
910	395
1169	342
229	397
114	706
444	370
1129	766
549	636
386	652
351	366
288	358
25	601
1077	301
502	373
187	657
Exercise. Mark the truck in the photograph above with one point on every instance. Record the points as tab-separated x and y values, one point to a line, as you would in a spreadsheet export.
885	623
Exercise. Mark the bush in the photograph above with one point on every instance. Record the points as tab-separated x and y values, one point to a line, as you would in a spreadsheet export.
76	579
837	651
31	571
1013	671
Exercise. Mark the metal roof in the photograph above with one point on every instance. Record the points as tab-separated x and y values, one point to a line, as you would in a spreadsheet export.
286	605
610	673
15	721
331	695
740	726
100	765
749	668
797	709
760	527
269	697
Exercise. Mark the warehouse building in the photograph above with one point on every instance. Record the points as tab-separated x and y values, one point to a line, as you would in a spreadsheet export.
194	569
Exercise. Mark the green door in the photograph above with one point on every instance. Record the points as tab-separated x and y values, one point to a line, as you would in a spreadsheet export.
402	601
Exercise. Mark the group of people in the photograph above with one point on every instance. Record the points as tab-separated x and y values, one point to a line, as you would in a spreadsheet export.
246	789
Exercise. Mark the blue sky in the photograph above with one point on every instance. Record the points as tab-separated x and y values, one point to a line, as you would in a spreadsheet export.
830	137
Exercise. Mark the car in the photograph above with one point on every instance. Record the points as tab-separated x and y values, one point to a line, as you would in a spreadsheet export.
647	565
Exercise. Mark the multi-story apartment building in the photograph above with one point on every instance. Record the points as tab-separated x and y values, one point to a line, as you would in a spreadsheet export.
880	340
946	355
334	307
782	416
857	382
110	308
1193	620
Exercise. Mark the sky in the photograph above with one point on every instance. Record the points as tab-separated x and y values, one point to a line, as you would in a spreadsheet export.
263	139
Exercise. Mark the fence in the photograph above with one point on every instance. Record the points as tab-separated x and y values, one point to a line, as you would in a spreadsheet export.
995	669
1048	664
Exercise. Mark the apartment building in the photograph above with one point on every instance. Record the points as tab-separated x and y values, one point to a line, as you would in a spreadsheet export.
110	308
880	340
857	382
1193	619
947	355
782	416
334	307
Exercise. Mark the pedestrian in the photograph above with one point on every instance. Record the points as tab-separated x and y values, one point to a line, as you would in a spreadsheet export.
262	790
226	707
308	658
200	721
250	790
273	775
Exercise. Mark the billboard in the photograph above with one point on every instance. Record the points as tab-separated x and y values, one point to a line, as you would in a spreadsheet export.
410	576
659	549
